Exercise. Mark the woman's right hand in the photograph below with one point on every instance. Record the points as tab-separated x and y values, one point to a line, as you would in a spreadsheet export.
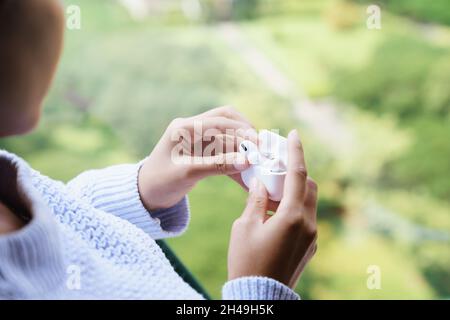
278	246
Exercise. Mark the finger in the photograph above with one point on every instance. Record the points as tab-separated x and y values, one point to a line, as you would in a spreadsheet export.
295	183
196	130
257	201
227	112
230	128
222	164
212	145
271	205
222	143
212	126
311	199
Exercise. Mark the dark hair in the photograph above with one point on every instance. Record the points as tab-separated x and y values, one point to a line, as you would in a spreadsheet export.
23	19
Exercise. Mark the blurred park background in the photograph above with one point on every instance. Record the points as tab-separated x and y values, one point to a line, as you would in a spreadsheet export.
372	107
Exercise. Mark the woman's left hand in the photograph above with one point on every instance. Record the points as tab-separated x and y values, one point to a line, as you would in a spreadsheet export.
192	149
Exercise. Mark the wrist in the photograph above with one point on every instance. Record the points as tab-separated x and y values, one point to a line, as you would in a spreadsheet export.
144	187
154	189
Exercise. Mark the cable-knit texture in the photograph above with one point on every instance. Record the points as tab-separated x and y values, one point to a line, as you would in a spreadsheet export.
93	239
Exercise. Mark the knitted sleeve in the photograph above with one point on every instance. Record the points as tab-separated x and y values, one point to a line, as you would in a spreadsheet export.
257	288
115	190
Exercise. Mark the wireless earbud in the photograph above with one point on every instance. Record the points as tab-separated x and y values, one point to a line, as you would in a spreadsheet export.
250	150
268	162
248	147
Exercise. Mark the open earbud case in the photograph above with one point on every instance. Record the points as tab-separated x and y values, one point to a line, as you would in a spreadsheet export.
268	162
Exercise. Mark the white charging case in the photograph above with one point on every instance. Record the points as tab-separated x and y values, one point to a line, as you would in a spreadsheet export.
271	145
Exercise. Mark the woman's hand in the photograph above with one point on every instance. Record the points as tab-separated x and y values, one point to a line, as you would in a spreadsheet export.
192	149
278	246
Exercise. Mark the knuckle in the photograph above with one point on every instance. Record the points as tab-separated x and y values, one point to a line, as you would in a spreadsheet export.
176	123
236	224
301	172
310	231
299	147
221	168
227	110
258	201
313	233
220	164
312	184
241	223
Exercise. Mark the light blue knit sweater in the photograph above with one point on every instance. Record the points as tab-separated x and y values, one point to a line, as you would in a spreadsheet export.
93	239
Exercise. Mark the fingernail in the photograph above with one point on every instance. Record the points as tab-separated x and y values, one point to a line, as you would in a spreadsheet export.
240	162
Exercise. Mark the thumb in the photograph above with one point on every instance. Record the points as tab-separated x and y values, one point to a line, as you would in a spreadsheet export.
221	164
257	201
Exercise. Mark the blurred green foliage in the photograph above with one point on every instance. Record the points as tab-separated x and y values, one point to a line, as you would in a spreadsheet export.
396	85
435	11
409	79
384	193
